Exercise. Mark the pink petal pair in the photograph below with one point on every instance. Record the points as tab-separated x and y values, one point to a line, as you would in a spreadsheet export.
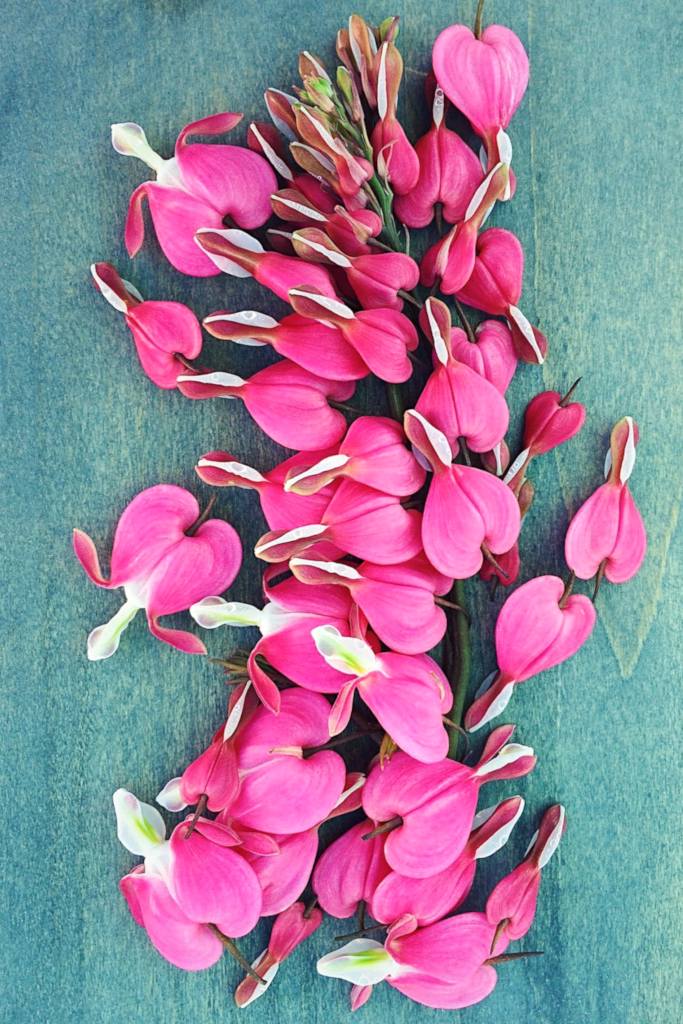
436	802
550	419
197	188
495	286
492	354
450	174
376	278
289	404
397	600
538	627
349	871
358	520
457	399
393	152
162	331
163	564
373	453
408	695
607	534
468	513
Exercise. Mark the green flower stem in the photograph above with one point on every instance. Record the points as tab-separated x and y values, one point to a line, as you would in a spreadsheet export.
460	662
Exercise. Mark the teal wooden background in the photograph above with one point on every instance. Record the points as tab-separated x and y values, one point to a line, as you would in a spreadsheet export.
84	430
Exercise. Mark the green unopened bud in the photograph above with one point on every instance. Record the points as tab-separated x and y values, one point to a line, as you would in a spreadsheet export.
388	30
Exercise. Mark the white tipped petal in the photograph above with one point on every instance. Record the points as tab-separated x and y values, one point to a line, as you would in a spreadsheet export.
139	826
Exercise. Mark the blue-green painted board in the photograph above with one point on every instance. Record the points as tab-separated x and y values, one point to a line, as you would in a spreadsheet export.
597	209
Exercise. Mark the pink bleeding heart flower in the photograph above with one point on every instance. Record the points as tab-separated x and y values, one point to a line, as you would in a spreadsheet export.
457	399
349	871
162	331
291	927
408	695
376	278
512	904
288	403
319	348
359	520
381	337
373	452
538	627
550	419
495	286
485	77
198	187
286	622
449	174
282	508
607	535
210	781
450	262
240	255
164	562
429	899
447	965
469	513
350	230
397	600
429	808
281	791
189	886
390	144
492	354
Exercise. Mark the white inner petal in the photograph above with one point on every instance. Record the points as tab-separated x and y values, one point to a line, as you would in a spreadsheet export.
527	330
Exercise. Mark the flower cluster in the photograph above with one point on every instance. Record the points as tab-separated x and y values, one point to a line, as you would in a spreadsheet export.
373	524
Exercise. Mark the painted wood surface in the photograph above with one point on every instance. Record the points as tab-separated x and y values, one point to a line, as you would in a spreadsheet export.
598	212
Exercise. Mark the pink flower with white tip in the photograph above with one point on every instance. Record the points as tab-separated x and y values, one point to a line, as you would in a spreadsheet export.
429	808
389	141
450	174
189	886
539	626
511	906
196	188
377	279
457	399
166	334
607	536
164	562
550	419
292	927
373	452
469	514
408	695
495	286
398	601
429	899
484	76
289	404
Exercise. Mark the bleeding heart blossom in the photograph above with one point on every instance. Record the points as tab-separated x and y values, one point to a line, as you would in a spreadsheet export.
292	927
349	871
407	695
484	77
538	627
163	563
189	886
495	286
450	262
429	899
492	354
376	278
550	419
359	520
289	404
511	906
450	174
198	187
429	808
607	535
286	622
457	399
397	600
163	332
373	453
469	514
390	144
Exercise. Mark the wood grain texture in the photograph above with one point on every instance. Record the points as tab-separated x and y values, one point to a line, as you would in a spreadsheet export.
598	211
